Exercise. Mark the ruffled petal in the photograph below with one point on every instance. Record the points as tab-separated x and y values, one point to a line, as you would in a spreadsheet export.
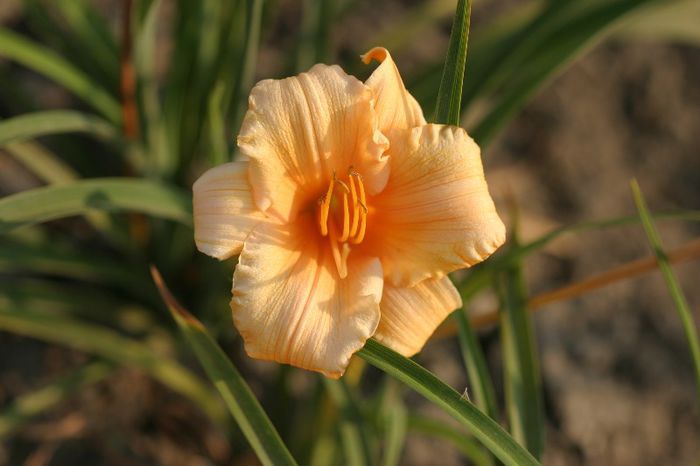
435	214
290	306
395	106
411	315
224	212
299	130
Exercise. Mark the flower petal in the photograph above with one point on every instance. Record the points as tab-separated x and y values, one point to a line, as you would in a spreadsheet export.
224	213
435	214
396	108
298	130
411	315
290	306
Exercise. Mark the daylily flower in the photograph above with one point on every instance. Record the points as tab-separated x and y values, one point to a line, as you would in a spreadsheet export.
348	211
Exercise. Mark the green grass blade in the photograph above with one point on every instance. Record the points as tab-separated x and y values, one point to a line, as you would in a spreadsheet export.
483	274
83	301
247	63
44	123
521	369
31	404
52	170
404	28
673	287
674	21
47	63
314	43
307	42
218	146
239	399
466	445
483	393
58	259
448	107
489	43
108	194
352	429
92	32
41	162
556	48
145	64
62	33
396	422
112	346
424	382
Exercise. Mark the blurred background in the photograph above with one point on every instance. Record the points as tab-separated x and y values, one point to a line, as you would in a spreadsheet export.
566	113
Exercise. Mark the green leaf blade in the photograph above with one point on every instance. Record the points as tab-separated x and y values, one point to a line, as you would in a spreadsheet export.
44	123
80	197
38	401
475	362
419	379
237	395
353	432
448	107
54	67
674	288
522	375
110	345
568	28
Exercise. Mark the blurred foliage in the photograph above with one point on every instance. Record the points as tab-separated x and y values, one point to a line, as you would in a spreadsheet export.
157	91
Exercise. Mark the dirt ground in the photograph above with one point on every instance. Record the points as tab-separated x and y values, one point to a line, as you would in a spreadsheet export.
617	373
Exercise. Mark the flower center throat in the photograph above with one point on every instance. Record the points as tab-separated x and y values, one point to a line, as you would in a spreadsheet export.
342	216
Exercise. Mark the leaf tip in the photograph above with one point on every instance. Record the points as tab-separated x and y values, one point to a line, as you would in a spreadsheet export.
175	308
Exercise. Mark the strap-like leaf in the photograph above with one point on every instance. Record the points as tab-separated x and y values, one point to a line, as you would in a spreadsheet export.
670	278
33	125
449	107
110	194
521	368
112	346
239	399
424	382
44	61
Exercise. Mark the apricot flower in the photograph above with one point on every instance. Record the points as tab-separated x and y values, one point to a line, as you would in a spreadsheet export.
348	211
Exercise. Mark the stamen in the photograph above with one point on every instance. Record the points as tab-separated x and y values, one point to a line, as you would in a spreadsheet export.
346	219
360	235
363	227
363	199
340	259
355	207
325	207
343	185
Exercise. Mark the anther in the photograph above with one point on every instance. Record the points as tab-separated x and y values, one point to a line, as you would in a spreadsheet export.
364	207
343	185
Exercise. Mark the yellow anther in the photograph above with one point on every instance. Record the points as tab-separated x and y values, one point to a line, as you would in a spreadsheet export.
346	226
325	207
